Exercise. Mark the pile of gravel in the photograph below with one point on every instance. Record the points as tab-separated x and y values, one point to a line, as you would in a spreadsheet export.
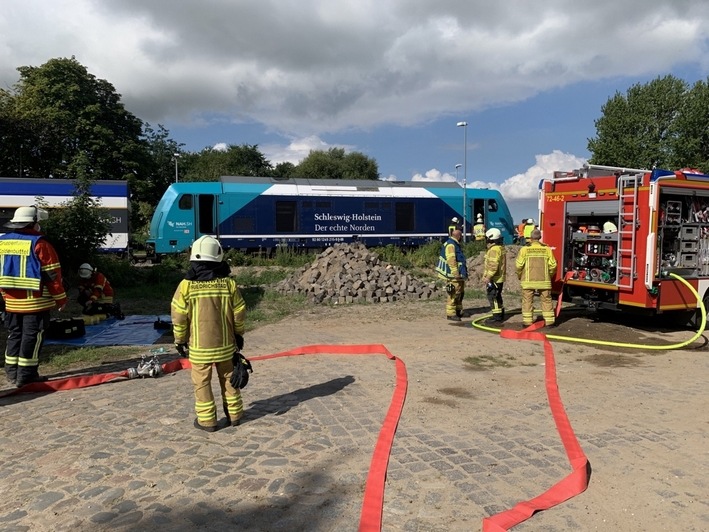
476	267
350	273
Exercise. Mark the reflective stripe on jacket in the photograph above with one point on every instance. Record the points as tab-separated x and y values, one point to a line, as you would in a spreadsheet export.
479	231
495	264
98	287
20	263
535	266
31	273
451	261
209	314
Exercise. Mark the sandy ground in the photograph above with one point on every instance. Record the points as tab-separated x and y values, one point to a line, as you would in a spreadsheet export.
640	415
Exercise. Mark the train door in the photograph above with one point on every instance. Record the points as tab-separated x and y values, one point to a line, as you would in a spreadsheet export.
206	215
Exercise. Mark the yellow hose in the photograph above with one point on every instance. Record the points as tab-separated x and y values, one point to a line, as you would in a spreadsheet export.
621	344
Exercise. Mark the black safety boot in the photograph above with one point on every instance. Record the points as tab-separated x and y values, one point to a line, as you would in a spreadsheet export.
29	379
453	318
204	428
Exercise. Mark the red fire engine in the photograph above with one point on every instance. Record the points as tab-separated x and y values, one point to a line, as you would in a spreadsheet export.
617	234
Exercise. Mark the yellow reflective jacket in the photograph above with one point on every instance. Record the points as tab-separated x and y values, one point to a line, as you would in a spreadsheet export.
535	266
209	314
495	264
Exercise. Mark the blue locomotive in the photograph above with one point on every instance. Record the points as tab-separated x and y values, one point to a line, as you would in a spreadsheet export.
262	213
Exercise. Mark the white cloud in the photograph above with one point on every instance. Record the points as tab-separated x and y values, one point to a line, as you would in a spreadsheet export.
526	185
433	175
297	149
308	68
518	187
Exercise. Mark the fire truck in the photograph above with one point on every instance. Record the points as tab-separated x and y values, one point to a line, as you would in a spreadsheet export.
618	233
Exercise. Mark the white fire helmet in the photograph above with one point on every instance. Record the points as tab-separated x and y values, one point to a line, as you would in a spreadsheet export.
493	234
207	248
480	218
26	215
85	270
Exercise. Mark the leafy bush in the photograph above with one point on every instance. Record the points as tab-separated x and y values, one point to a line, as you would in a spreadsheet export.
79	228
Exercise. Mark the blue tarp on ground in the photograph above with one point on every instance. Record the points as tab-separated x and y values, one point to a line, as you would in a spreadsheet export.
133	330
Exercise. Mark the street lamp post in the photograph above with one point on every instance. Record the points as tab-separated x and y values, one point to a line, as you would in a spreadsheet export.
457	166
464	125
177	156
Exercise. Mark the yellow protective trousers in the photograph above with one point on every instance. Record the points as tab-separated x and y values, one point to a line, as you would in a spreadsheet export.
528	306
204	405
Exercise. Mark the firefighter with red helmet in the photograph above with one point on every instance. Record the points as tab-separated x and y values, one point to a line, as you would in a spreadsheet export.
494	274
535	267
452	268
31	285
208	311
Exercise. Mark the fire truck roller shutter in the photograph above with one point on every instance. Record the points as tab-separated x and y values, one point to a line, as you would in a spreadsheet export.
592	208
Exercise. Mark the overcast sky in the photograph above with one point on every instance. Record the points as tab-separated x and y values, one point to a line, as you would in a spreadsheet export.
388	78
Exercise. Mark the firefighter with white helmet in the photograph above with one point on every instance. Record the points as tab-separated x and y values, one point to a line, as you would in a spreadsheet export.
31	285
479	228
528	228
96	295
455	222
208	313
494	274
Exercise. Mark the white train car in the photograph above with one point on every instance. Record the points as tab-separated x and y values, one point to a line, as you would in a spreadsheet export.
113	195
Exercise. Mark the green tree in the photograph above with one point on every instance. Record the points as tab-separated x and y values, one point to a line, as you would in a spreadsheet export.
62	119
158	170
690	144
79	228
638	129
335	164
284	169
211	164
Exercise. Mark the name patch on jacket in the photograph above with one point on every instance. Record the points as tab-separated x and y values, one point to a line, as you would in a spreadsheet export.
16	247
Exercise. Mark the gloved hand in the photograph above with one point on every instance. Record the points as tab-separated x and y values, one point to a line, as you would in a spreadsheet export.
239	342
182	349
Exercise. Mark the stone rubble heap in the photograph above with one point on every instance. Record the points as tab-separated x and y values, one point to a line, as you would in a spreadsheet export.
350	273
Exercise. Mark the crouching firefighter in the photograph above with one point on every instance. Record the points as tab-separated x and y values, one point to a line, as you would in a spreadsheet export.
494	274
452	269
96	293
208	314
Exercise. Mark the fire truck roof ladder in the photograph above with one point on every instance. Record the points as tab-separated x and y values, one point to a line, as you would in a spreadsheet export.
617	170
626	258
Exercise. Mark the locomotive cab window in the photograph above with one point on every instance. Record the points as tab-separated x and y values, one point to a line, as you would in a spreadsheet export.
286	217
206	214
404	216
185	203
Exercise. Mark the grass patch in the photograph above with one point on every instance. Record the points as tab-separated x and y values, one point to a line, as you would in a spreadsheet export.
485	362
438	401
57	358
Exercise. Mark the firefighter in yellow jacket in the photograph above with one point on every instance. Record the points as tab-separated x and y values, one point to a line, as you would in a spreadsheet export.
494	274
479	228
208	314
452	268
535	267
